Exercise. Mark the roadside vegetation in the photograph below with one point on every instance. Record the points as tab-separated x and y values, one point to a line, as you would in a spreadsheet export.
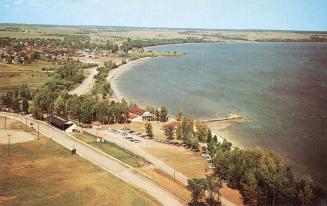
102	86
112	150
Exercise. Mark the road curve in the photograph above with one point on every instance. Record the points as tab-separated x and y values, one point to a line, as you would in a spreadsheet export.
87	84
101	159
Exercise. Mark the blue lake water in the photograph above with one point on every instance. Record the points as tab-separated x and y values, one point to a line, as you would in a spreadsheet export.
280	87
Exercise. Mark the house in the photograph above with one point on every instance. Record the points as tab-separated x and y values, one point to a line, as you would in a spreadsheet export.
136	111
147	116
138	115
61	123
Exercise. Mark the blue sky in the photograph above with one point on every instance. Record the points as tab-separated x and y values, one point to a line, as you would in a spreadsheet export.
213	14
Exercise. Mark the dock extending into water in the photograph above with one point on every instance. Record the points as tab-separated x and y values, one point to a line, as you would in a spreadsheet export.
228	117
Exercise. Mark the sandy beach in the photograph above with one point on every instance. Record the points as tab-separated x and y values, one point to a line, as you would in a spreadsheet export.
218	128
115	73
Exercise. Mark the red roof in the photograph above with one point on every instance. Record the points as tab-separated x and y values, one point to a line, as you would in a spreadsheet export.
132	116
137	111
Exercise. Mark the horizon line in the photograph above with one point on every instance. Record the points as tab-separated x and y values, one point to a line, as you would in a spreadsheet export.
154	27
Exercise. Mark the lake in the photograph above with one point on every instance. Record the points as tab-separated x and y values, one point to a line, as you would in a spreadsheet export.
280	87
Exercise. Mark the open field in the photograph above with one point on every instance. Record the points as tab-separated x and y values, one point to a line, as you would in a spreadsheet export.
119	34
113	150
190	164
44	173
13	76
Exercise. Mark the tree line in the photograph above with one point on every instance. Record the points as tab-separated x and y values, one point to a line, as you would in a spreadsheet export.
102	86
191	132
262	177
16	99
130	44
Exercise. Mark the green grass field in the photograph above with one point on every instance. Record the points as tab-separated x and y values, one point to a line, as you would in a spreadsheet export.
41	172
113	150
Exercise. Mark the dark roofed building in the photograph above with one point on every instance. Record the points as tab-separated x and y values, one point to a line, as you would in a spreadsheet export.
59	122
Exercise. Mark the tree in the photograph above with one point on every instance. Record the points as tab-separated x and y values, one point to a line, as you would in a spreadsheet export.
226	146
60	106
304	188
150	109
43	101
179	115
201	131
169	130
25	105
213	184
197	187
157	114
15	105
148	129
7	99
179	132
185	130
249	188
209	136
25	92
163	114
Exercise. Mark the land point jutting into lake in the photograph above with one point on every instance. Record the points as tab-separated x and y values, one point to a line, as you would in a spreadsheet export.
131	116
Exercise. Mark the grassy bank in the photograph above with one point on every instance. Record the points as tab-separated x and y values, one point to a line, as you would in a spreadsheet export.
44	173
113	150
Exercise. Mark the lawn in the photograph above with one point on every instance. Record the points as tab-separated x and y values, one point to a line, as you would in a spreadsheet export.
113	150
13	76
41	172
192	165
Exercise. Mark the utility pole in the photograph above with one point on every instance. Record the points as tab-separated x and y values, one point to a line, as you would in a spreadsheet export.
8	144
5	122
38	131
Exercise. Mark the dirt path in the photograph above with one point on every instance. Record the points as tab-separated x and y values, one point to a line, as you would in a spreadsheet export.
87	84
103	160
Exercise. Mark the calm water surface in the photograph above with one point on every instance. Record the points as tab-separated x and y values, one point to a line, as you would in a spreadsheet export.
280	87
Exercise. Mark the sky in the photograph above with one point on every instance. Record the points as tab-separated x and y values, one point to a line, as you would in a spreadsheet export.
303	15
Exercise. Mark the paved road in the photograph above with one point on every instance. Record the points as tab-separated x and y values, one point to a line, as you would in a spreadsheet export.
87	84
136	148
101	159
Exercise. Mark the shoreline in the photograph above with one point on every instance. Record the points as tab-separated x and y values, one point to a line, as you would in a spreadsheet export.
117	72
118	96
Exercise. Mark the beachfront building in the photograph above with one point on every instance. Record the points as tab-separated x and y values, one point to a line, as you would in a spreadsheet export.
139	115
147	116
